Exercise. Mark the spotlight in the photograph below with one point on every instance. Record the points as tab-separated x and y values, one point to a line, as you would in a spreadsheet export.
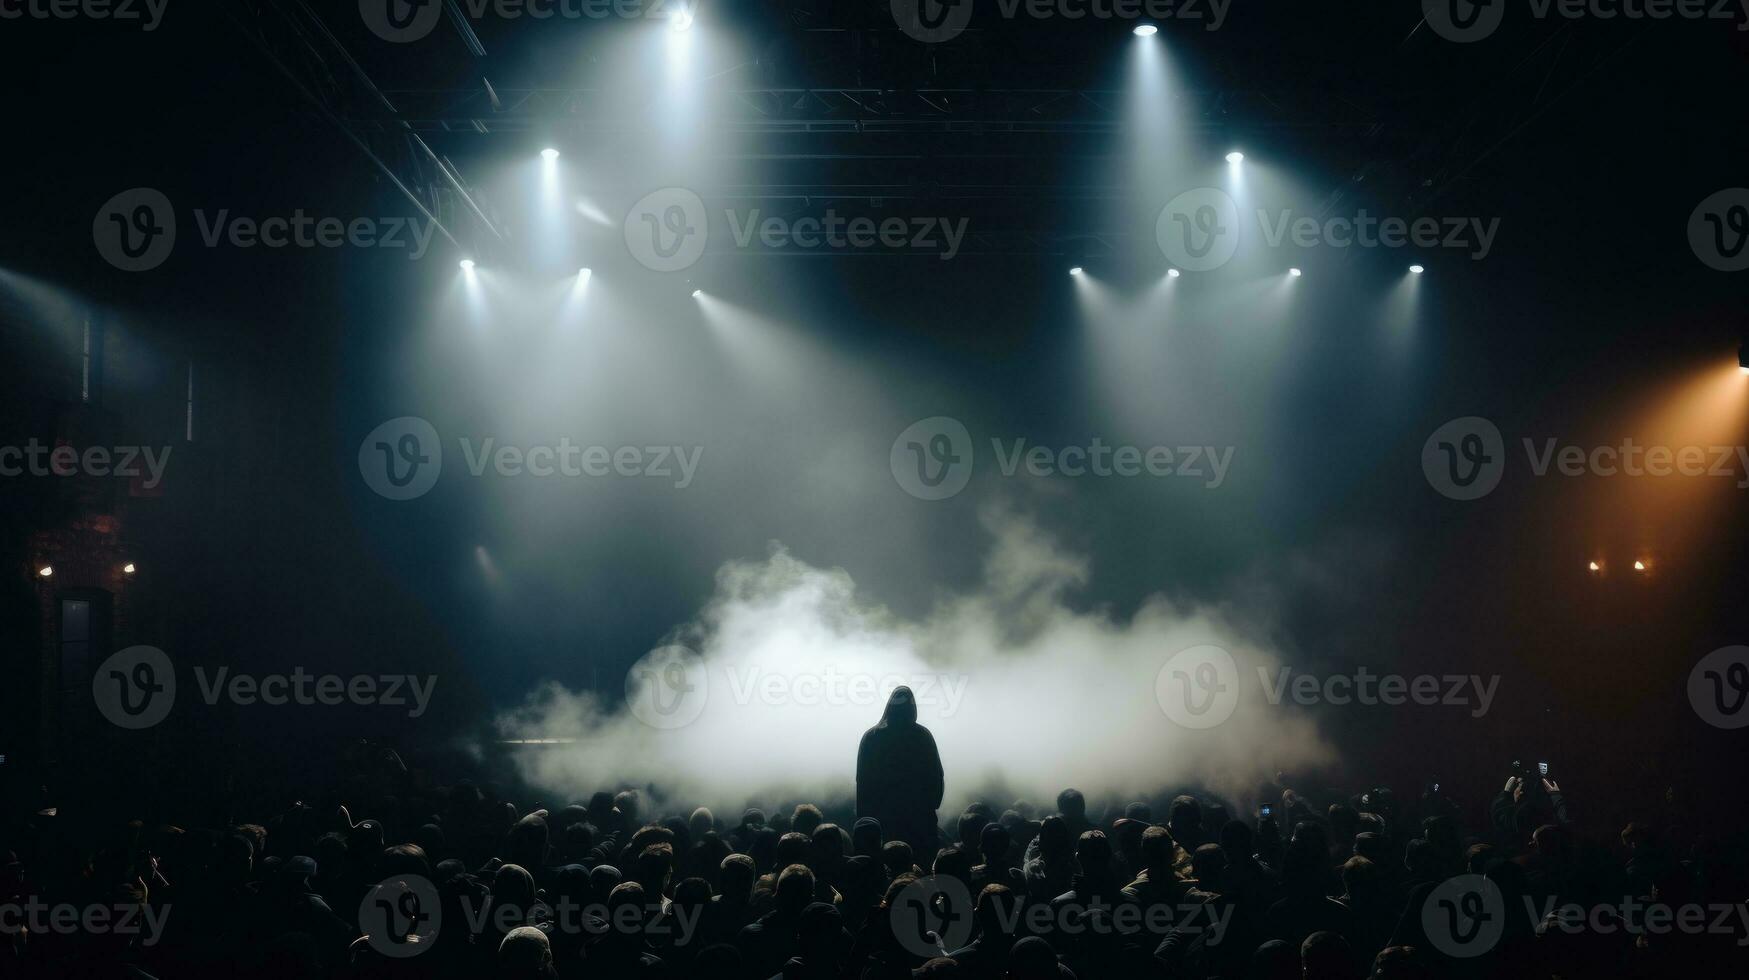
1145	30
45	571
128	569
1594	567
1075	271
1235	157
1173	273
697	293
549	154
1295	273
680	20
1417	269
1639	566
584	273
467	265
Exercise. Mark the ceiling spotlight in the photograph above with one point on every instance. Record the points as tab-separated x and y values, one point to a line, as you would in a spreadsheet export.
1145	30
1235	157
467	265
1639	566
549	154
1075	271
1295	273
1417	269
697	293
45	571
128	569
1595	567
680	20
1173	273
584	273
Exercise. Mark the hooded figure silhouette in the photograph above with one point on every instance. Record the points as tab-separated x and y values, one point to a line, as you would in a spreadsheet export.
899	778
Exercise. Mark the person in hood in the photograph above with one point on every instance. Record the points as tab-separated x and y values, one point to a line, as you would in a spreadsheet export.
899	777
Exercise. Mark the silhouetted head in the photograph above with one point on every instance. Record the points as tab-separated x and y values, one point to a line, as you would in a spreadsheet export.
1400	963
897	856
993	843
1184	816
1158	850
805	819
901	708
1326	956
866	836
738	877
525	952
1093	850
1033	959
1071	804
795	889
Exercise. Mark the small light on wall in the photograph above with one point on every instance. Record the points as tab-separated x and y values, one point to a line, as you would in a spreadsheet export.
45	571
128	569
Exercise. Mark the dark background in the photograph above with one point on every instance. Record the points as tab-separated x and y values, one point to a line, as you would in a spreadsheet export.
1591	142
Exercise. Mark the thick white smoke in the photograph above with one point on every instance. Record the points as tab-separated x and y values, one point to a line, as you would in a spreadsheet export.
787	665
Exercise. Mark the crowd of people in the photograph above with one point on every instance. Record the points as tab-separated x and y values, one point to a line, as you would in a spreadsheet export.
401	879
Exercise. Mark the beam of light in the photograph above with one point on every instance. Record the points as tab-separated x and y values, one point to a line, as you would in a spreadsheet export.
1096	301
781	357
592	212
680	21
1151	159
473	292
1235	158
573	305
550	155
488	569
1145	30
1398	309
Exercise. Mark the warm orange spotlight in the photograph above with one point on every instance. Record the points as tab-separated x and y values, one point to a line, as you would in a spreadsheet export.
1595	567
